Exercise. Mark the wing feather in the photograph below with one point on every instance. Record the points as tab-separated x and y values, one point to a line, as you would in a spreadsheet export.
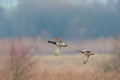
58	40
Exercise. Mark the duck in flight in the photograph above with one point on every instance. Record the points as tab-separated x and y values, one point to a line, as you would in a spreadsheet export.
59	44
87	54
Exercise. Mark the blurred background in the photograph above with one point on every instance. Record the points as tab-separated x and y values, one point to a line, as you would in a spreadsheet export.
69	19
27	25
76	21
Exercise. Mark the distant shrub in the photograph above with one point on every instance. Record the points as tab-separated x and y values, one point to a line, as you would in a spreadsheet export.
114	63
19	64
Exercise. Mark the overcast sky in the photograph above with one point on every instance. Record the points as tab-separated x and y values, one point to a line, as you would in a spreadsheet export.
69	19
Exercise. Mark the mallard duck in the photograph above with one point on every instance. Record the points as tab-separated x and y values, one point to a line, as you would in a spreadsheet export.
87	54
59	44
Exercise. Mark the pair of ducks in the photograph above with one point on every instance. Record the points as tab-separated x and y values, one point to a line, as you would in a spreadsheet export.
59	44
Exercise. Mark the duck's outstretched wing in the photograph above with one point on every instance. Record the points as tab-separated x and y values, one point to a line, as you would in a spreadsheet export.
85	60
52	42
58	40
58	51
81	51
89	53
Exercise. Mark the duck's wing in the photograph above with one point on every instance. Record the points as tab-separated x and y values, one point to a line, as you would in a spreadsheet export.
80	51
52	42
58	40
57	51
85	59
89	52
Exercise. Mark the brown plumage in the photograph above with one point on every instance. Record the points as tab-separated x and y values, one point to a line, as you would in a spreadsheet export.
87	54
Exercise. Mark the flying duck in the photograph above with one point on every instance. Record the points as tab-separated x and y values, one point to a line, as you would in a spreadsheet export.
87	54
59	44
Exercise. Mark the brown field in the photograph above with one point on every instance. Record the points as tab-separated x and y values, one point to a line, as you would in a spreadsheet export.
69	67
17	64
